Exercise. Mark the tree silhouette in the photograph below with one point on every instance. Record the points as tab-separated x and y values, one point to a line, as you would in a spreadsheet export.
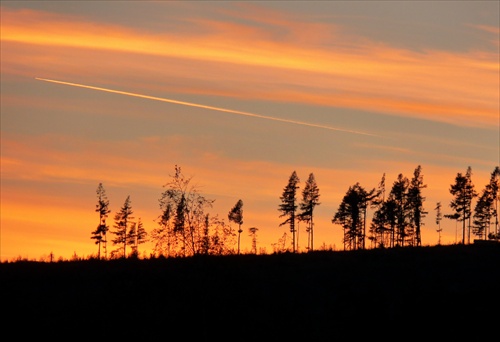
495	194
439	217
185	226
397	220
399	196
253	234
236	215
416	204
122	220
376	227
351	215
162	235
310	199
137	235
102	207
288	206
384	223
463	192
486	208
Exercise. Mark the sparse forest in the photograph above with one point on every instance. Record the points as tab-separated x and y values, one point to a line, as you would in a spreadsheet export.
198	281
186	228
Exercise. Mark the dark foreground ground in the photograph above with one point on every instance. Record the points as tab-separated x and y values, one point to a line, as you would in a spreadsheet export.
316	296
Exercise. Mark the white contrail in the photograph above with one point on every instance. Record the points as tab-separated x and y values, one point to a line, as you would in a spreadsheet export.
202	106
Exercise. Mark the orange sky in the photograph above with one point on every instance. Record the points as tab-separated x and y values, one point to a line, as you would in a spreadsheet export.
427	92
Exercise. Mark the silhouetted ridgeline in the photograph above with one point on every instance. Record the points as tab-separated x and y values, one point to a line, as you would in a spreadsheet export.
315	295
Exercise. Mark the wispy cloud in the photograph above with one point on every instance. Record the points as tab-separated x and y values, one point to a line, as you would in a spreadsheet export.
337	69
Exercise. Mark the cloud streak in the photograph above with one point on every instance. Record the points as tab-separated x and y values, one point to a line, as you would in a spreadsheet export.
191	104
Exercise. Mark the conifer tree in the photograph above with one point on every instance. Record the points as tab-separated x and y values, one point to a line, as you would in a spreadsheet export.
288	206
439	217
377	224
161	236
351	215
137	235
310	199
495	194
102	207
399	196
416	204
236	215
494	187
253	234
482	215
486	208
463	192
122	221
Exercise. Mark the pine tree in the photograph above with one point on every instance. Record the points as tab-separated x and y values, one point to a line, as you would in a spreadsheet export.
236	215
102	207
137	236
351	216
310	199
253	234
482	215
288	206
122	221
377	224
439	217
399	196
416	204
463	192
486	208
495	194
161	236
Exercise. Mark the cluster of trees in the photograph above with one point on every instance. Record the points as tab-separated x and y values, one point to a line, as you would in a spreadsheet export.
397	218
127	232
186	228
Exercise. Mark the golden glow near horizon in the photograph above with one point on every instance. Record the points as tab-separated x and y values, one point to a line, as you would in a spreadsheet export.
406	88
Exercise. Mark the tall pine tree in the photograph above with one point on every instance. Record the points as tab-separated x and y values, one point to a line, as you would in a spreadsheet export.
236	215
463	193
123	219
416	204
102	207
288	206
310	199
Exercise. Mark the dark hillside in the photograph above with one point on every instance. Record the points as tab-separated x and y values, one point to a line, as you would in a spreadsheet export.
315	295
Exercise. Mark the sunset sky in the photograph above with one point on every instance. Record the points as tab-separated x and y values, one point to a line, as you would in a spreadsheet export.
347	90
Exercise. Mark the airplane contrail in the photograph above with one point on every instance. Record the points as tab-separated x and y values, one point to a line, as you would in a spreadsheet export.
231	111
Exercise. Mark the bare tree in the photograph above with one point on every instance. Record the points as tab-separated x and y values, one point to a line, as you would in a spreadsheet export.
185	227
